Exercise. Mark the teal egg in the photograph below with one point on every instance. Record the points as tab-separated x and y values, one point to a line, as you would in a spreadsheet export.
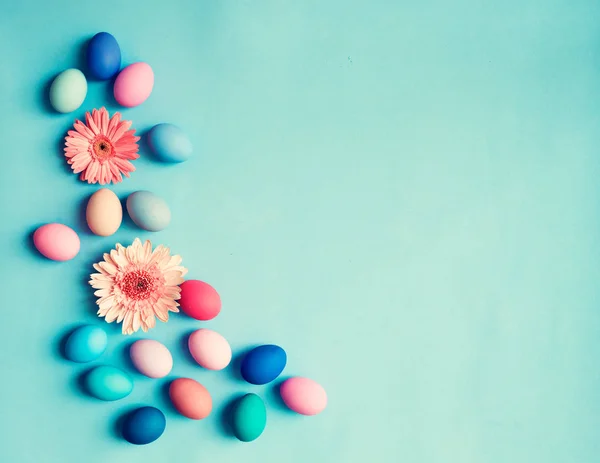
249	418
169	143
68	90
86	343
108	383
148	211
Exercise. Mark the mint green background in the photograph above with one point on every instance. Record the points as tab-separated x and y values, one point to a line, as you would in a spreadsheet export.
402	194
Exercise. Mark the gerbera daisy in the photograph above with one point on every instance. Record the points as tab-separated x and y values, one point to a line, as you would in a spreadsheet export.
101	148
135	284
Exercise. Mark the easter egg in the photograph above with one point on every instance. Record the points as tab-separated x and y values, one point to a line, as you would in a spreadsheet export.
249	418
68	90
108	383
303	395
143	425
169	143
151	358
263	364
148	211
209	349
199	300
56	241
85	344
103	56
134	84
190	398
104	212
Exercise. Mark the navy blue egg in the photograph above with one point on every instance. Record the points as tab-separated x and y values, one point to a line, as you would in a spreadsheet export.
263	364
103	56
144	425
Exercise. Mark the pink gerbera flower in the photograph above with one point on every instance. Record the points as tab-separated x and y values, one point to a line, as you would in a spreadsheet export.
101	148
136	284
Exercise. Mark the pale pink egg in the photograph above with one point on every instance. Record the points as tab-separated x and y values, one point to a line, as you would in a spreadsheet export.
134	84
209	349
151	358
56	241
303	395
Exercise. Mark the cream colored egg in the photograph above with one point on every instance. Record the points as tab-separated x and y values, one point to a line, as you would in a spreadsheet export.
104	212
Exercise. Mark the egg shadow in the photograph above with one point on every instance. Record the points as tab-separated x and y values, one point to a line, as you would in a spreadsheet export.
61	342
118	421
273	395
45	104
234	369
145	146
165	398
109	94
81	59
185	350
28	242
79	384
225	416
126	358
127	223
82	217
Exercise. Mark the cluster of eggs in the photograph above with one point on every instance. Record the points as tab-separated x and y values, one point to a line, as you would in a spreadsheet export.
191	399
132	86
199	300
104	215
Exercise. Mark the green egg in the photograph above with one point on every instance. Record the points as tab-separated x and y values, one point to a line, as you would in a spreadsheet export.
108	383
249	418
68	90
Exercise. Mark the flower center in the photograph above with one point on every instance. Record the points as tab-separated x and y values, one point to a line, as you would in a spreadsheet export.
137	285
102	148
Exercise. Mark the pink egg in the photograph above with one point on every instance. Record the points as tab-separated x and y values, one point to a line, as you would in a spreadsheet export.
151	358
209	349
303	395
134	84
56	241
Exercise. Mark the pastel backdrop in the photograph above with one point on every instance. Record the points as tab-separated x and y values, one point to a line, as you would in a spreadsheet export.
404	195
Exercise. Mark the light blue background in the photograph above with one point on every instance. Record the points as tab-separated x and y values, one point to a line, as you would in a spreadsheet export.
402	194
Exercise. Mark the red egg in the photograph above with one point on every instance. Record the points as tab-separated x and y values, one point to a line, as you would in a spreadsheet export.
199	300
190	398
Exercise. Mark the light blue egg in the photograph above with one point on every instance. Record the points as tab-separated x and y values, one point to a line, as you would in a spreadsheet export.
108	383
86	343
148	211
169	143
68	90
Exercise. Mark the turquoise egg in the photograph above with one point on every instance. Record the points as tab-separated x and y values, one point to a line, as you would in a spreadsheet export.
169	143
108	383
86	343
249	418
68	90
148	211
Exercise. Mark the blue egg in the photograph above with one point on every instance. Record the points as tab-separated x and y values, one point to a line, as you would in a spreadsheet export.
85	344
103	56
144	425
148	211
263	364
108	383
169	143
